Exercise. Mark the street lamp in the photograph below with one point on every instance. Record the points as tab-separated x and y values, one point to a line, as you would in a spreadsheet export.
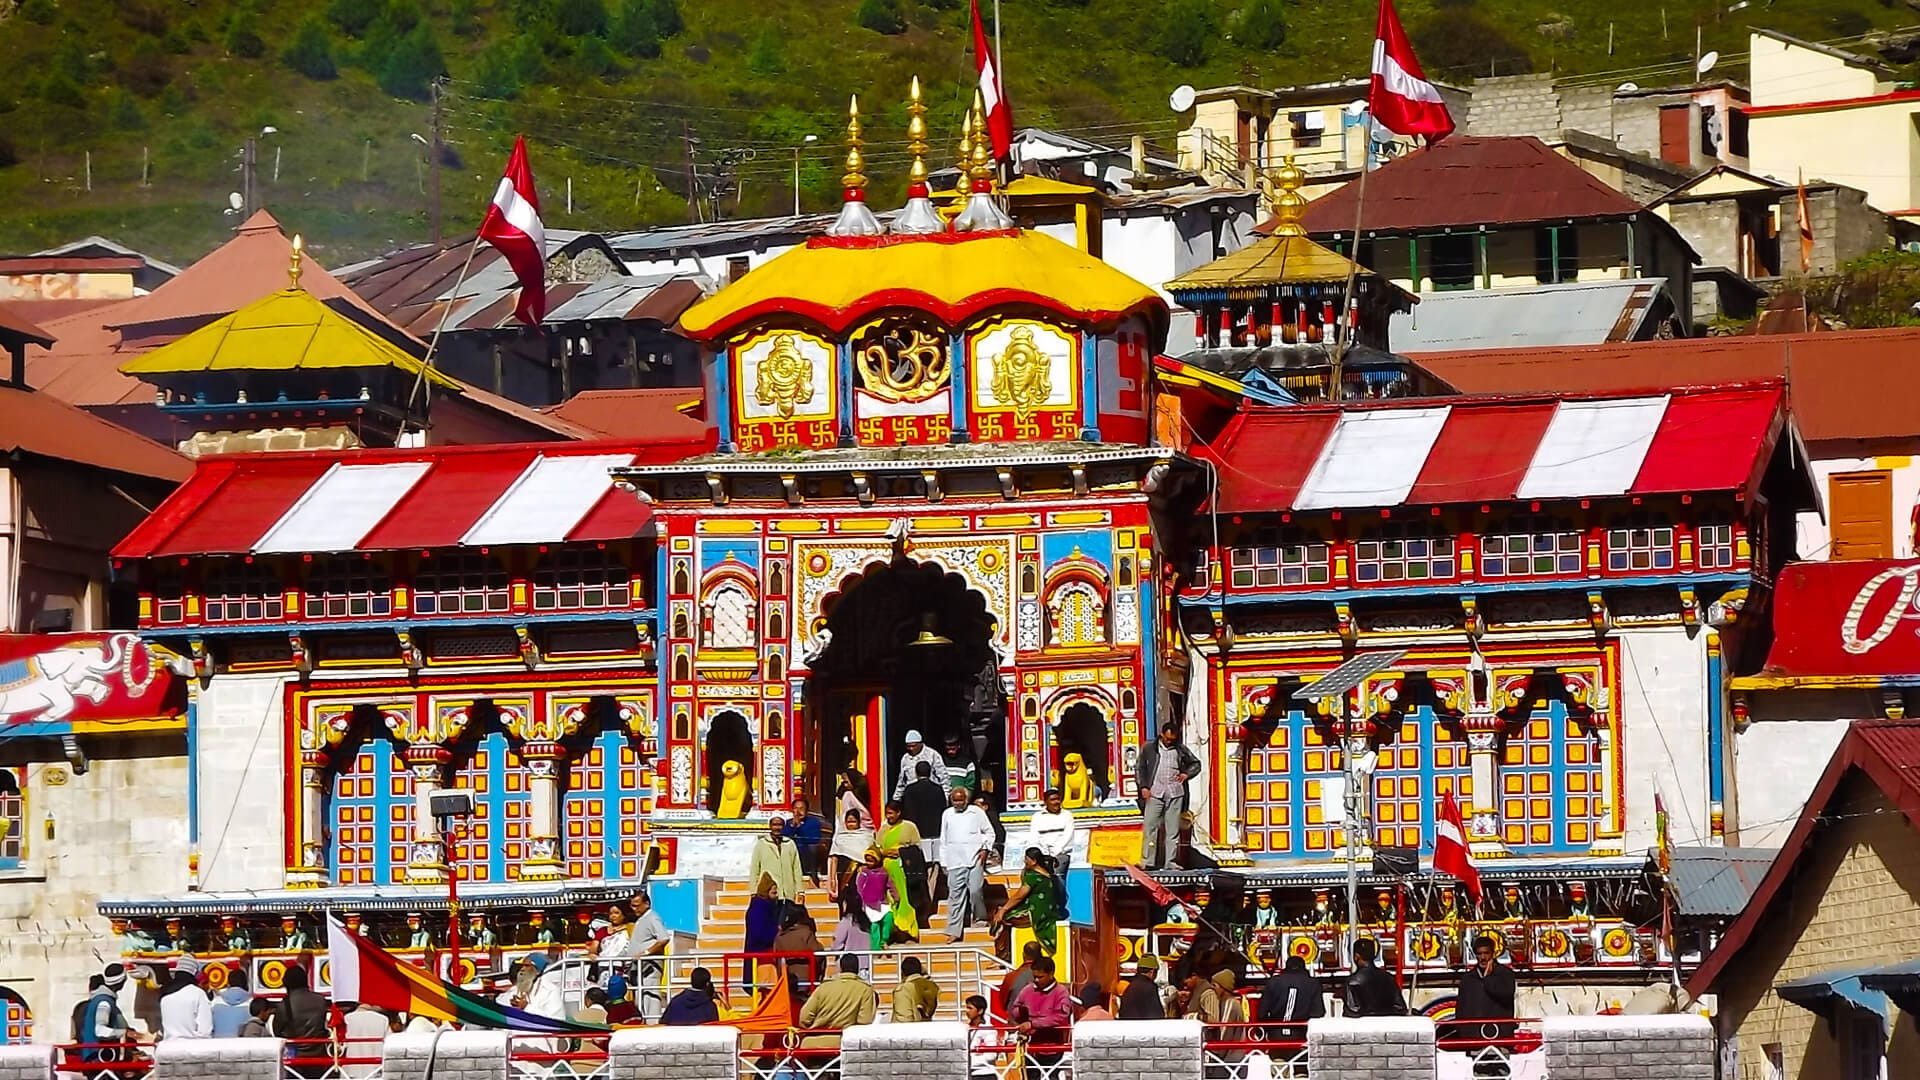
796	171
448	807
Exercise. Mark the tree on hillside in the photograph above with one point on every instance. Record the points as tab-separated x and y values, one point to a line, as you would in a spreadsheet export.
354	16
667	19
1464	43
580	18
768	55
881	16
311	51
412	64
1187	32
633	31
1262	24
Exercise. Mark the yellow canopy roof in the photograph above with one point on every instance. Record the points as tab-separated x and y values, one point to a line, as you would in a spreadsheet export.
287	330
839	282
1270	260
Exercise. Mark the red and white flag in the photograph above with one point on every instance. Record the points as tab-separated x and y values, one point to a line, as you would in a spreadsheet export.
999	113
1401	99
1450	854
512	226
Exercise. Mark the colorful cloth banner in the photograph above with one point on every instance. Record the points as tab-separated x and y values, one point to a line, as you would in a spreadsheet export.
364	972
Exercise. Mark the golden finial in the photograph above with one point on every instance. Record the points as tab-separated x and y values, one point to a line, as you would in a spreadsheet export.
1282	189
855	179
980	157
293	264
916	135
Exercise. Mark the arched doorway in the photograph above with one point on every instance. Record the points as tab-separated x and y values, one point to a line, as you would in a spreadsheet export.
910	650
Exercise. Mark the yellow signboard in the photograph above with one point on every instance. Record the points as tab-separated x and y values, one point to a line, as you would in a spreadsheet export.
1116	846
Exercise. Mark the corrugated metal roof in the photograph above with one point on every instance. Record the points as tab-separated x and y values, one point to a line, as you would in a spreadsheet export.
1574	313
1717	881
42	425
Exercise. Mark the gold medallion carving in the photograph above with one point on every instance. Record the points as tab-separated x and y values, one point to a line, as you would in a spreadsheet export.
1022	374
783	379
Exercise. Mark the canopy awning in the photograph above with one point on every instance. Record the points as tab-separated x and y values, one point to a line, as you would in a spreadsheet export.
1823	994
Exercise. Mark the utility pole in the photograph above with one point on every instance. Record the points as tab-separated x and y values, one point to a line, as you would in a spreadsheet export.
249	199
433	152
693	193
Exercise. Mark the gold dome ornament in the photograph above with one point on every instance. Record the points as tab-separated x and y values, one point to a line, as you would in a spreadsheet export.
1282	189
981	213
918	217
293	262
855	219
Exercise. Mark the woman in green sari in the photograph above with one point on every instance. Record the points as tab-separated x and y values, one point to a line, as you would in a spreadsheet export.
1038	898
896	835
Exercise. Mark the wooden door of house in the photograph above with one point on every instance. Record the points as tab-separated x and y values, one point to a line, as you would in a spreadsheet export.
1675	131
1860	509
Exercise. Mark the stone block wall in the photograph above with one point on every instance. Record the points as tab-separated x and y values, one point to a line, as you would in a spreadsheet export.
26	1062
218	1059
1630	1048
1371	1048
936	1050
1515	105
673	1053
460	1055
1122	1048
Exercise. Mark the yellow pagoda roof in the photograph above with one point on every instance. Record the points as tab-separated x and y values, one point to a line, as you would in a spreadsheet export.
1038	188
288	330
838	282
1270	260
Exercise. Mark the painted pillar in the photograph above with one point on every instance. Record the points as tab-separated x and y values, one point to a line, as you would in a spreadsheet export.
427	861
723	400
543	825
1089	386
1482	809
1716	738
957	387
309	869
843	376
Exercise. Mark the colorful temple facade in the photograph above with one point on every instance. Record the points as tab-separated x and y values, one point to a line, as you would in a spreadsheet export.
949	485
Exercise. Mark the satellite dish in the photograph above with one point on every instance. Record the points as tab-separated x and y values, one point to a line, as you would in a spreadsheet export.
1181	99
1706	62
269	130
234	200
1626	88
1356	107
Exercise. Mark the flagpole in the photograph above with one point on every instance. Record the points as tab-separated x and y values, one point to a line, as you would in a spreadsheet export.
433	344
1349	311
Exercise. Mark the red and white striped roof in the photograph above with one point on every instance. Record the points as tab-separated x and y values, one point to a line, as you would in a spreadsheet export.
388	500
1483	450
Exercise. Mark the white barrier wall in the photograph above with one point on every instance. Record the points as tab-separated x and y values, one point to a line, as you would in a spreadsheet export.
218	1059
936	1050
459	1055
675	1053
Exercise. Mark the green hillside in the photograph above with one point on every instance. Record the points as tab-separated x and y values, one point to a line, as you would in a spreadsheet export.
611	92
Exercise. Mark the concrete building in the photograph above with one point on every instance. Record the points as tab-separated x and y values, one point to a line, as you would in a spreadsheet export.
1693	128
1833	116
1231	134
1814	978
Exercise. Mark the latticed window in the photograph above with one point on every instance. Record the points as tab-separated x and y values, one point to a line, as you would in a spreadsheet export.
574	580
1079	615
492	844
1531	546
465	583
1716	546
1640	544
372	808
726	619
169	600
1289	557
1402	553
13	818
245	593
348	588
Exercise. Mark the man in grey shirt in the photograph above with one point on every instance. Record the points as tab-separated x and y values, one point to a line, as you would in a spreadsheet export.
649	939
1163	769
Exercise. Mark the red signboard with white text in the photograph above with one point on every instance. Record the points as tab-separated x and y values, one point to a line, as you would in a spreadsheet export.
1847	618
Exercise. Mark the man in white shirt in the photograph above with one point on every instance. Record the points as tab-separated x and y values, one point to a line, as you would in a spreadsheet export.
917	752
1052	831
965	838
646	941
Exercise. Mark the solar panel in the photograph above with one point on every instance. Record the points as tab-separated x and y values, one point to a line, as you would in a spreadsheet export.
1348	675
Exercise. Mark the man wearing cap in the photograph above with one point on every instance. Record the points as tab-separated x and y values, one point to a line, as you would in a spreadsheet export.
917	752
1091	1003
1141	999
185	1010
101	1025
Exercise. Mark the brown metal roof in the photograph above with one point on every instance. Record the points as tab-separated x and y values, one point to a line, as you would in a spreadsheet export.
15	327
1470	180
70	264
1850	384
1887	754
648	413
39	425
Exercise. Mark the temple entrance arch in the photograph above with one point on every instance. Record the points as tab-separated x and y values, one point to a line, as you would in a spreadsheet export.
909	648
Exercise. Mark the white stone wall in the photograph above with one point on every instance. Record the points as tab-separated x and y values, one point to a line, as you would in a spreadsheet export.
1662	702
1142	1048
673	1053
936	1050
26	1062
458	1055
121	826
218	1059
242	769
1629	1048
1776	764
1372	1048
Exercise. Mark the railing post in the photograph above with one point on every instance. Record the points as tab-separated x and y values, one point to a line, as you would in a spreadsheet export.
936	1050
1371	1048
469	1055
1128	1048
218	1059
674	1053
26	1062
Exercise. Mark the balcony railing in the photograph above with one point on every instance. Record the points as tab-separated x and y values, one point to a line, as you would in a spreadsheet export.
1015	1056
103	1061
1254	1052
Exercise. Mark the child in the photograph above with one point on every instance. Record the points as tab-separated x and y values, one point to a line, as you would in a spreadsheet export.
982	1057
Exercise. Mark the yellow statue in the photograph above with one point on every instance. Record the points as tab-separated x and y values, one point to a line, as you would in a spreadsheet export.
783	378
1022	374
733	790
1076	784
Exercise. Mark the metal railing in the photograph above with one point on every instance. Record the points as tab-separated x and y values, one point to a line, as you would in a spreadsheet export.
550	1057
797	1055
1494	1049
1254	1051
1018	1056
328	1059
103	1061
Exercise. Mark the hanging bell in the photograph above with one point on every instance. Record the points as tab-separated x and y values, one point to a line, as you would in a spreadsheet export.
929	638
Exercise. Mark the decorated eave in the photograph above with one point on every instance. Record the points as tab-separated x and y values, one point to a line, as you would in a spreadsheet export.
393	898
1333	874
1488	450
399	500
839	282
